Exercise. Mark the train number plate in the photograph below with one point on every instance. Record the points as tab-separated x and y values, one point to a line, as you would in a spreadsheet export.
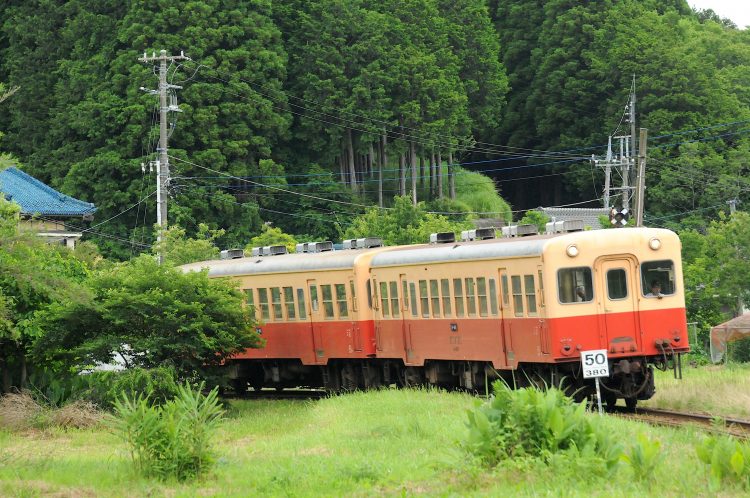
595	363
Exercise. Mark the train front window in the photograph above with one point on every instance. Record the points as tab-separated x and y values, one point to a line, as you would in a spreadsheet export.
659	273
574	285
617	284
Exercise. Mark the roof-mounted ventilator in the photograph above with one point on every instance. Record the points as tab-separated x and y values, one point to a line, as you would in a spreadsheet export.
442	238
269	251
232	254
323	246
520	230
564	226
365	243
478	234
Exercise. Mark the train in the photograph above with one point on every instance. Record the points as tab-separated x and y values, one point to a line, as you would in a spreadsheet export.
459	314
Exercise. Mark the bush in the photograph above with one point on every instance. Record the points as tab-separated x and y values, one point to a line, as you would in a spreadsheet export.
172	440
21	411
539	424
104	388
728	460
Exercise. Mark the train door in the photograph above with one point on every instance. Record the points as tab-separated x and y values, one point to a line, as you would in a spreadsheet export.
505	314
405	322
316	321
617	301
542	313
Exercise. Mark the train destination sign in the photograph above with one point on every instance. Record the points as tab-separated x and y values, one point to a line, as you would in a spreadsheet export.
594	363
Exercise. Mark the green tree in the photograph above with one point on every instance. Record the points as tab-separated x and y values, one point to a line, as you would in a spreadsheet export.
272	236
153	315
403	224
178	249
533	217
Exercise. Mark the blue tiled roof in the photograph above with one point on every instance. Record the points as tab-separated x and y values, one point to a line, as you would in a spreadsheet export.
35	197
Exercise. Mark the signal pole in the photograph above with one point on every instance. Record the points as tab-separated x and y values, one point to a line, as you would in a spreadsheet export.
162	165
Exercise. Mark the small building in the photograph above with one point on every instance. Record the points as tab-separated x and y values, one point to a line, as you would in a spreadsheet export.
44	210
589	216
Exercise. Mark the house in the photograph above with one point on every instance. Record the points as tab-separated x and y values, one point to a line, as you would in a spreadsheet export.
44	210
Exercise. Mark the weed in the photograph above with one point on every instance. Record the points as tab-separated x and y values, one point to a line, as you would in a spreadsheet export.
727	459
172	440
643	456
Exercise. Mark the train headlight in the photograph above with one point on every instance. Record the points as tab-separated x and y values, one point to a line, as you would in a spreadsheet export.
572	250
654	244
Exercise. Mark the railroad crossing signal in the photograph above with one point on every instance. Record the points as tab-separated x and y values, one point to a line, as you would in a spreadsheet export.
619	218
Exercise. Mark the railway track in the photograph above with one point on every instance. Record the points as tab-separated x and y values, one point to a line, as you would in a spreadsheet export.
668	418
286	394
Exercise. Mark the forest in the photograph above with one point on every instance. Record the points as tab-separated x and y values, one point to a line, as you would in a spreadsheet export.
325	119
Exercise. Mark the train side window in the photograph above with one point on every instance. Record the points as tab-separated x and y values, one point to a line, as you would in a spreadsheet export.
661	272
482	295
278	314
413	299
250	301
384	299
574	285
404	295
353	290
458	296
301	304
314	297
515	282
327	296
528	283
445	290
395	309
493	297
617	284
263	304
289	302
424	299
435	298
471	302
505	291
341	299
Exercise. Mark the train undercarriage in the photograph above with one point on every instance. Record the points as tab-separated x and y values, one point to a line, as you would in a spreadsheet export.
631	379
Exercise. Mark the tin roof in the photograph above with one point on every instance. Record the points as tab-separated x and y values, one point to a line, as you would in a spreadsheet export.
35	197
589	216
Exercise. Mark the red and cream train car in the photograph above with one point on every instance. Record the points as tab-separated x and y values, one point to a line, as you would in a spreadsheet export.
463	313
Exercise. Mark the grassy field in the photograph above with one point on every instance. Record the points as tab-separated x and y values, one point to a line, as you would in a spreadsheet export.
387	443
721	390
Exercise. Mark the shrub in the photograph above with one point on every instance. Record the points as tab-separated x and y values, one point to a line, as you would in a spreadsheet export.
727	459
643	457
534	423
20	411
104	388
172	440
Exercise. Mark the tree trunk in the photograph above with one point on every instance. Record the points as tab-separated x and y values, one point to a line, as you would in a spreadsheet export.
439	174
421	172
451	175
402	174
413	159
370	160
383	163
24	372
6	375
432	174
342	170
352	168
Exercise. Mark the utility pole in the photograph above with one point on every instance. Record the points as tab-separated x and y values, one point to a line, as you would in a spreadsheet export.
162	164
641	178
631	152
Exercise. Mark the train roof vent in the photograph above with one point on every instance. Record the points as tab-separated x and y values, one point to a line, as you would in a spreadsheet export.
256	252
301	247
442	238
323	246
510	231
368	242
564	226
273	250
350	244
232	254
524	230
478	234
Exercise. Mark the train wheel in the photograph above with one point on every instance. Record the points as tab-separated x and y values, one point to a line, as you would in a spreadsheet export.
239	386
349	380
631	403
611	401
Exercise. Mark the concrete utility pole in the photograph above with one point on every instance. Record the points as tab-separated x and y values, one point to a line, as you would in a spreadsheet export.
641	178
630	154
162	164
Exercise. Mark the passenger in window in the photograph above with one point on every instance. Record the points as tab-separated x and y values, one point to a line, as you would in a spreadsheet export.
580	294
655	290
